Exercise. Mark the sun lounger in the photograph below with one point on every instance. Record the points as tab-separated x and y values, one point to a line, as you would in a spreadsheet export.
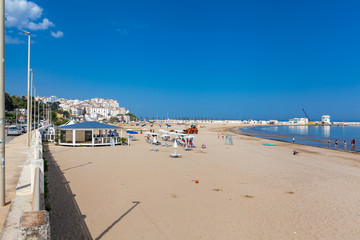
187	148
175	155
155	149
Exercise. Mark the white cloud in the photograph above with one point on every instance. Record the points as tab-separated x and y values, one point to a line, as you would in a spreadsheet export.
122	31
57	34
11	40
23	14
45	24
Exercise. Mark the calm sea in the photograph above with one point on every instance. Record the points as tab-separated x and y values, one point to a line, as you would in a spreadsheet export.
310	135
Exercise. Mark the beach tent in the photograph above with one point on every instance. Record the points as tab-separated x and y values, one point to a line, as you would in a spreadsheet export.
71	122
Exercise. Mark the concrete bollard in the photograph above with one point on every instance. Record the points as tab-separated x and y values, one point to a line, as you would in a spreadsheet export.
40	164
41	152
36	152
34	225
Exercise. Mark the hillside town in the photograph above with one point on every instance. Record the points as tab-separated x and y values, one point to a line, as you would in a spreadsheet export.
95	109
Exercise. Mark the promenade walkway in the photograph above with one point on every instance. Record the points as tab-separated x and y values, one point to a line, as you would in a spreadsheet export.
16	153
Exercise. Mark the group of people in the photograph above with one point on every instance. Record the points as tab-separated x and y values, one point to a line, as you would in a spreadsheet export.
345	144
336	143
222	136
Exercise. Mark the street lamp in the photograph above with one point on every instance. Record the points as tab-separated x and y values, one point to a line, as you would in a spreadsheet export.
34	107
31	105
28	93
2	102
38	112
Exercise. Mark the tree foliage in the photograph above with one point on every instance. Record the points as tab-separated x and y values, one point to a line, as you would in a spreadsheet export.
132	117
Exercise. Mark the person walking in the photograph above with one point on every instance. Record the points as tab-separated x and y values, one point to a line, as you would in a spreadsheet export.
293	140
336	143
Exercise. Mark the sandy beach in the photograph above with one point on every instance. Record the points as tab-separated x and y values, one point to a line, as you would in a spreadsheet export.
244	191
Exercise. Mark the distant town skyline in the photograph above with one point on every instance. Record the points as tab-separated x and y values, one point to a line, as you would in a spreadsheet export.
233	59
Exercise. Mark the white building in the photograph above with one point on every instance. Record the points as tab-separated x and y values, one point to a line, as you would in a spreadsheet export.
325	119
52	99
298	121
273	121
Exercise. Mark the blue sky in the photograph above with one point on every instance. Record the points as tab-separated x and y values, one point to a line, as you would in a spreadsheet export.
234	59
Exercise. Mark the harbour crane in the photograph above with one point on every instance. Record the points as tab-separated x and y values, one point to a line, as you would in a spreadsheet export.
306	115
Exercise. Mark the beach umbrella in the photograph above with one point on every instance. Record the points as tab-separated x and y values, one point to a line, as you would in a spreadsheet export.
175	146
131	132
143	125
189	136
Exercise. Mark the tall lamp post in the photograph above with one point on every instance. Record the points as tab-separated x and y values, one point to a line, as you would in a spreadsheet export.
2	102
31	102
34	108
38	112
28	114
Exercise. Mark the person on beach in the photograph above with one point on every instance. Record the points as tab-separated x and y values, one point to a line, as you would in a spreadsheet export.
344	144
353	144
222	136
336	143
293	140
218	136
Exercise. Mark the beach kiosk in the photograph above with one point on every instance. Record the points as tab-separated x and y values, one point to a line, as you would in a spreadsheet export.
89	134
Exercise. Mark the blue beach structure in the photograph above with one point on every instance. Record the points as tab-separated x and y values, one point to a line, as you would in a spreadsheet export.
89	134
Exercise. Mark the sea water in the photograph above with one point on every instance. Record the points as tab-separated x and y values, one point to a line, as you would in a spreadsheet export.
311	135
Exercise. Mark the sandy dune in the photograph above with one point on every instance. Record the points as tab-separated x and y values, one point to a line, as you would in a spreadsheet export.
245	191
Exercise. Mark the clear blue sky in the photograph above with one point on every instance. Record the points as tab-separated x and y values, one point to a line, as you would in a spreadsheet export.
249	59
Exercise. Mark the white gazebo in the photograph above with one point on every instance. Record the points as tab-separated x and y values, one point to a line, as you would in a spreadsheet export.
89	134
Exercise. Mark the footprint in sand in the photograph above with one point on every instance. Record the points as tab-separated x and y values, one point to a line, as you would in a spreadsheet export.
217	189
290	192
248	196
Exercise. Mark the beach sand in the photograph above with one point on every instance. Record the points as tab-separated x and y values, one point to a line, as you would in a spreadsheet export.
244	191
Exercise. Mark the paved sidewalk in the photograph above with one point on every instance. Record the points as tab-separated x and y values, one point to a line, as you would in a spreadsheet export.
16	153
